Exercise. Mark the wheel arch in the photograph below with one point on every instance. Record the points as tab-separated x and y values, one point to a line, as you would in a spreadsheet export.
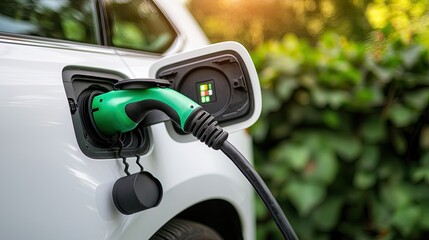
218	214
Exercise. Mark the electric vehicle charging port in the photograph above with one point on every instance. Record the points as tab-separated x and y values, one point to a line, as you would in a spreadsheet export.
81	86
219	82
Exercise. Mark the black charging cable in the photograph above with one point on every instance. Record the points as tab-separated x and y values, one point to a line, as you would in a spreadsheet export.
261	188
203	126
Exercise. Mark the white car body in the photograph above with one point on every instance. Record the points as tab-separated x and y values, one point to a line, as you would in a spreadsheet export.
52	190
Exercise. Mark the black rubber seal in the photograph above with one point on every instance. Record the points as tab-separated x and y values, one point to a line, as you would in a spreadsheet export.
89	122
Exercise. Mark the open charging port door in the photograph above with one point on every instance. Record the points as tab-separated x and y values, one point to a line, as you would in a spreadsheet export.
221	78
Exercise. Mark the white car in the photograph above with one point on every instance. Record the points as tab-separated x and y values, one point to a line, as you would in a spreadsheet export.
56	180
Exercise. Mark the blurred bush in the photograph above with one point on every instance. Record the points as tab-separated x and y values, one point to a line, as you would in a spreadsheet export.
252	22
343	140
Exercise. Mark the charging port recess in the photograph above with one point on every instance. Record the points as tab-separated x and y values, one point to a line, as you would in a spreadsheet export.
82	83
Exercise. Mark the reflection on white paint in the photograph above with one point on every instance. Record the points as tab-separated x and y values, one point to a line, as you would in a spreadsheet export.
84	178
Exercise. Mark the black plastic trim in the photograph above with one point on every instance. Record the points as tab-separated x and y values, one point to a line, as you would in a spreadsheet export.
101	22
105	22
137	111
142	83
79	84
219	214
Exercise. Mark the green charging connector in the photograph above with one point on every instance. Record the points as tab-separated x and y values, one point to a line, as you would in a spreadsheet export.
122	110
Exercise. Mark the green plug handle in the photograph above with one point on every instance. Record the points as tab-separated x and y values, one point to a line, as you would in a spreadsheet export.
121	111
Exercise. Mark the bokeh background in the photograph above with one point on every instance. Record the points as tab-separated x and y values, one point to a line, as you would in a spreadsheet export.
343	140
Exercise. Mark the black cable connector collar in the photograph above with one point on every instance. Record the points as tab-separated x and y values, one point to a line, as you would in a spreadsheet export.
203	126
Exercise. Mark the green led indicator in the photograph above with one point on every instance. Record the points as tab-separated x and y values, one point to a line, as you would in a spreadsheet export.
206	92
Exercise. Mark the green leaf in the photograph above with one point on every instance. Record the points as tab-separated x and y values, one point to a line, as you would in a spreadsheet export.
334	99
396	195
389	168
294	155
383	74
424	159
399	142
338	98
411	55
424	221
382	214
392	60
277	173
348	147
260	209
305	195
270	103
285	64
406	219
285	87
326	215
316	140
331	118
355	231
369	159
371	96
267	76
374	129
280	130
400	115
291	42
320	97
418	99
308	80
421	174
302	226
364	179
325	167
260	129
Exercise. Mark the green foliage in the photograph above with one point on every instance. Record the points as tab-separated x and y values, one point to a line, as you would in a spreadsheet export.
252	22
343	139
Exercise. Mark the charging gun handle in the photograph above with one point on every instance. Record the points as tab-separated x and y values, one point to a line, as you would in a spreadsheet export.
122	110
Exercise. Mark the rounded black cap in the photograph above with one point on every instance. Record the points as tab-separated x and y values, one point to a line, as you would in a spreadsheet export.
136	192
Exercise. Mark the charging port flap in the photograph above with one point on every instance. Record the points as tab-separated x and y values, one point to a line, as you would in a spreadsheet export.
220	77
